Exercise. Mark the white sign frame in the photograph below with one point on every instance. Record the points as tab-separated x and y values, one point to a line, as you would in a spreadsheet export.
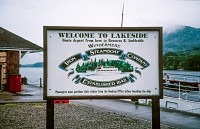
102	62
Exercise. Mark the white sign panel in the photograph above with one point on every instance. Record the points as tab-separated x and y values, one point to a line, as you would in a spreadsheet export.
110	62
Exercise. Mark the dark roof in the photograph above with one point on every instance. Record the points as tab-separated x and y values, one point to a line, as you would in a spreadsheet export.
9	41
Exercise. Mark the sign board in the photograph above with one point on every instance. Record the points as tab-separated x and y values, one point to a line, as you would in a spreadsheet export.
102	62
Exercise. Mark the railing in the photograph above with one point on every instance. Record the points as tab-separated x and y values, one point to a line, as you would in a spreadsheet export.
181	86
186	87
185	95
37	82
182	77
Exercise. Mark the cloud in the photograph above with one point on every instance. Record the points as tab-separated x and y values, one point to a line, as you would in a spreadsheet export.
27	18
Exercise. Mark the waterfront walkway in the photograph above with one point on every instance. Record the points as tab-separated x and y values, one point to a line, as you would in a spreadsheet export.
28	94
168	117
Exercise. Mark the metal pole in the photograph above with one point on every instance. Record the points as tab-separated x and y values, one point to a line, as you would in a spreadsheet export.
40	82
122	16
186	95
155	113
179	90
50	114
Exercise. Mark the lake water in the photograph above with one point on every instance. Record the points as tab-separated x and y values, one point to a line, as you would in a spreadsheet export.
191	76
183	72
34	74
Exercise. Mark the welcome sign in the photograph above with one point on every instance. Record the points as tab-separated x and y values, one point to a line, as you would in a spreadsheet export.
102	62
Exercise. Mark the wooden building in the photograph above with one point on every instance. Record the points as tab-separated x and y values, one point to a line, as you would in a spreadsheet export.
12	49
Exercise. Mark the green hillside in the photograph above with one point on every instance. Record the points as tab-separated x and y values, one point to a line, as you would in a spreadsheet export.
186	39
38	64
181	49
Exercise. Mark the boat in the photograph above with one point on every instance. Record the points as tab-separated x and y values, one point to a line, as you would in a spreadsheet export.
104	70
107	69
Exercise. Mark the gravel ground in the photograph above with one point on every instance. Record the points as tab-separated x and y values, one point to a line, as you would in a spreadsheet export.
67	116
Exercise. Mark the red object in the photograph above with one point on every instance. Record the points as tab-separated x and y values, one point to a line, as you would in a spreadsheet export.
14	83
61	101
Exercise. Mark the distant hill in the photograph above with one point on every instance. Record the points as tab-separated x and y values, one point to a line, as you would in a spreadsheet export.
38	64
185	39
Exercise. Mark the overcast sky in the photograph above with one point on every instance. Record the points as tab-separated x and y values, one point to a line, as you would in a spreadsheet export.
26	18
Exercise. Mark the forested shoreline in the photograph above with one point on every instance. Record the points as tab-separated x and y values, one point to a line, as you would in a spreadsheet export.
183	61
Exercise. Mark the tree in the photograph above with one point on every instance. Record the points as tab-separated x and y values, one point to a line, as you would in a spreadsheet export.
193	61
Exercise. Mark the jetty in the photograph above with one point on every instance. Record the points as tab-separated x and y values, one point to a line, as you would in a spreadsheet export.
181	82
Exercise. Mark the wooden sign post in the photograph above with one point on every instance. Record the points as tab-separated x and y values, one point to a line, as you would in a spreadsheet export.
155	113
103	63
50	114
